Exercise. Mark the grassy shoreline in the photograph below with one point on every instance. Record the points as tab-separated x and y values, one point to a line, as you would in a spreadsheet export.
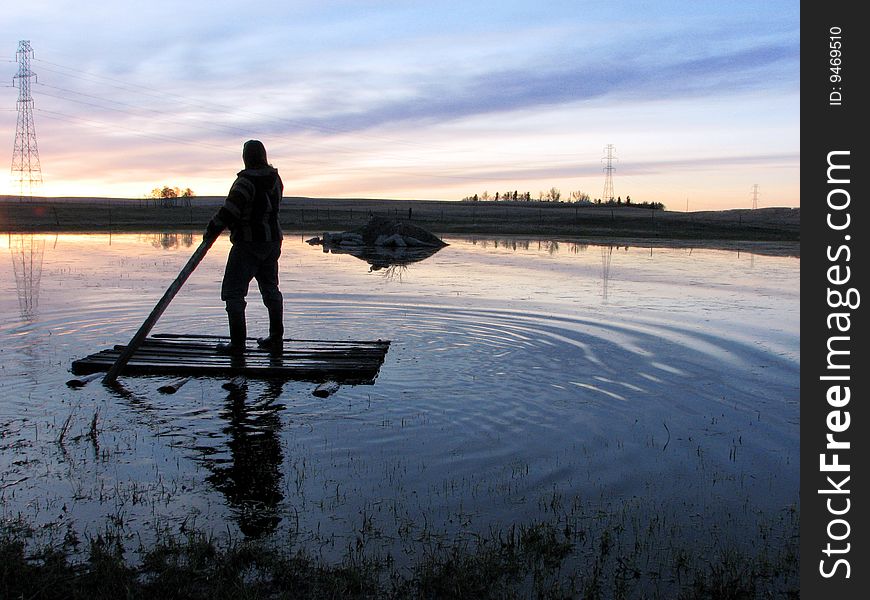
622	555
440	217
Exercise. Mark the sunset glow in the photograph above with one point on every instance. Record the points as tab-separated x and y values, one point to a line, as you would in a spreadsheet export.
415	100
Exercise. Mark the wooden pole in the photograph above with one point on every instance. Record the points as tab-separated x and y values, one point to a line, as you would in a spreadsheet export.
326	389
235	383
171	388
82	381
149	323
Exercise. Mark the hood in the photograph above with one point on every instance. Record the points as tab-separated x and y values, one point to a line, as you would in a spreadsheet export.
254	154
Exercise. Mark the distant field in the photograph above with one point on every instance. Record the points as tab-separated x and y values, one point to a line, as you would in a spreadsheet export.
440	217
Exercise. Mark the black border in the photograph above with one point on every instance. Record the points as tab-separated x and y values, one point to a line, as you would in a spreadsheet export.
826	128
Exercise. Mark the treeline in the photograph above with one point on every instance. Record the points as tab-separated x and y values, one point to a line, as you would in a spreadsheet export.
171	197
618	201
171	192
555	195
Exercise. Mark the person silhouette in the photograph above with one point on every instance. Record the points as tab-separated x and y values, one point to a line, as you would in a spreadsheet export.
250	211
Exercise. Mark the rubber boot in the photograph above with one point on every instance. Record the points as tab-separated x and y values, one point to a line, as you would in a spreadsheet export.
238	333
275	341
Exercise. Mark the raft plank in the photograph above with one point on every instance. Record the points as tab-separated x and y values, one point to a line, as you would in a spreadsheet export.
190	355
254	352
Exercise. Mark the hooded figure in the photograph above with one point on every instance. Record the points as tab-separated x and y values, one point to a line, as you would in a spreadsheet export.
250	212
254	154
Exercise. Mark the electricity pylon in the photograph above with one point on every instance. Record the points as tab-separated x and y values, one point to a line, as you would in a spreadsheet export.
608	176
25	156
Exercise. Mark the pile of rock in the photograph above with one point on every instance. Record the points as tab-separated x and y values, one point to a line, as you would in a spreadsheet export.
385	233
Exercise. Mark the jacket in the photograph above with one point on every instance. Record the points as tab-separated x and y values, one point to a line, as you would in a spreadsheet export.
250	210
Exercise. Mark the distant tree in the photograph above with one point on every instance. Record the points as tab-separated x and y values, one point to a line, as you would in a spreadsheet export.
553	195
172	192
579	196
165	195
628	199
652	205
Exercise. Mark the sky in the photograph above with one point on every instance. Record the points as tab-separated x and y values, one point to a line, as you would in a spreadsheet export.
413	100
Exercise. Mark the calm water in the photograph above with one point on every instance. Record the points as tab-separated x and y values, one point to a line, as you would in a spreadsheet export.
524	376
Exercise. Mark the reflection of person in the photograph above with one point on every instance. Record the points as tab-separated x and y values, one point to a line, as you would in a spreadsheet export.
250	211
251	479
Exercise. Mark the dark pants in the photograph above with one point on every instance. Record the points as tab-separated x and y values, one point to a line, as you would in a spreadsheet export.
247	261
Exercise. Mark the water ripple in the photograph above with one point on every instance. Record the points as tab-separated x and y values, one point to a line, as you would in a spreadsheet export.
483	403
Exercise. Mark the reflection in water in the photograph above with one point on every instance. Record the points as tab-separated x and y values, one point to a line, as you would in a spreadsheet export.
550	246
393	272
168	240
394	259
251	478
27	257
570	400
510	243
554	247
606	256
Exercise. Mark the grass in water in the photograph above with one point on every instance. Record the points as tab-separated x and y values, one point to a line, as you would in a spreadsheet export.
559	559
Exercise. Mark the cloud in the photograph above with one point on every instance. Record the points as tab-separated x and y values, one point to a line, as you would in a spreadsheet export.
545	84
431	94
556	172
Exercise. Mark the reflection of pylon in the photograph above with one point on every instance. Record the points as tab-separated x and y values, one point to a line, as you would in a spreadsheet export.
27	257
608	174
25	156
606	256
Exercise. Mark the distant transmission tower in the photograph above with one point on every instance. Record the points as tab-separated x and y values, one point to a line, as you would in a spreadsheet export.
608	173
25	156
755	196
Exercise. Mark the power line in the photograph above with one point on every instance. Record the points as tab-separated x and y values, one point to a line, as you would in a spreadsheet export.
76	119
210	127
213	118
213	107
80	120
262	118
187	103
136	111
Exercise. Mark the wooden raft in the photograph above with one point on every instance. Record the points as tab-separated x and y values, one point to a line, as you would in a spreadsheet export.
353	362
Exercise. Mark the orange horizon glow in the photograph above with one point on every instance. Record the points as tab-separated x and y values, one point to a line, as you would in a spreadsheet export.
700	101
